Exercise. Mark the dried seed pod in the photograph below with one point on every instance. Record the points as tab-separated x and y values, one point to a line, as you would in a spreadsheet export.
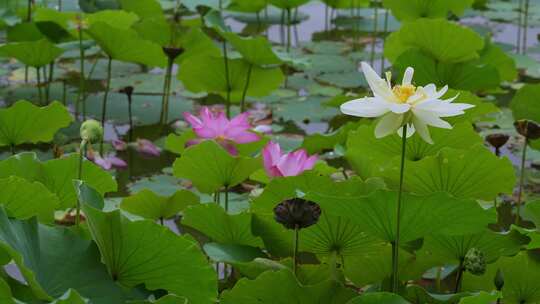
475	262
297	213
173	52
528	128
497	140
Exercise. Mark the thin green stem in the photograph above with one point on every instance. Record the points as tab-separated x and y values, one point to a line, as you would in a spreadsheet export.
227	78
161	221
166	91
385	32
520	21
80	97
82	153
288	30
105	99
12	148
295	248
374	36
246	87
459	277
395	244
59	5
50	80
521	181
525	27
130	113
438	280
226	199
29	11
40	93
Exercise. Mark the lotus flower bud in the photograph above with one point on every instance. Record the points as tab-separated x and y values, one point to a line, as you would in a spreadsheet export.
528	128
499	280
297	213
475	262
91	131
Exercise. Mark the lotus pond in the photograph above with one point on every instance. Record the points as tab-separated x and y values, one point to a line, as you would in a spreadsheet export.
270	151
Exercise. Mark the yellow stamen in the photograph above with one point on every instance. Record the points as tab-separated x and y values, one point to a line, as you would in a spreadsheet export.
403	92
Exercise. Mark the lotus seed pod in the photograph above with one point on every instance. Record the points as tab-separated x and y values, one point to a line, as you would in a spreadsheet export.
528	128
499	280
91	131
475	262
497	140
297	212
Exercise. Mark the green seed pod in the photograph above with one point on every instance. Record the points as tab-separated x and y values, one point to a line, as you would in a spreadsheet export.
91	131
499	280
475	262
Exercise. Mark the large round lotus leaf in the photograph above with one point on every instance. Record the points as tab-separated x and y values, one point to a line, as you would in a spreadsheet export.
211	168
346	3
441	39
33	53
368	155
55	259
152	206
377	298
256	51
420	215
525	104
23	199
282	287
207	74
143	252
521	278
125	45
143	8
57	175
213	4
415	9
247	6
475	173
214	222
24	122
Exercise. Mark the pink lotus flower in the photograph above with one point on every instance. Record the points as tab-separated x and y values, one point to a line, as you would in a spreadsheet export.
219	128
289	164
108	162
119	145
146	147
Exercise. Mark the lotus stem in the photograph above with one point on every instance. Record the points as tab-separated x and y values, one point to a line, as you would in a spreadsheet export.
459	277
104	104
295	248
385	32
130	113
288	30
80	96
438	280
64	92
12	149
259	25
326	17
266	18
525	27
282	28
161	222
29	11
227	78
50	80
40	93
246	87
395	244
59	5
375	25
82	153
521	181
520	22
167	91
226	199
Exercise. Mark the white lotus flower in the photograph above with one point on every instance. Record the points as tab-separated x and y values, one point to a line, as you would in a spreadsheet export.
418	107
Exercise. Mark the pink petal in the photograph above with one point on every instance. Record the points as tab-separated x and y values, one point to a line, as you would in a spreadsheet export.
240	121
310	163
289	165
229	146
116	162
147	147
103	163
119	145
271	155
244	137
194	121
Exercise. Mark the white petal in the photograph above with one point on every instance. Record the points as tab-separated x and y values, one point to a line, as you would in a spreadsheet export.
364	107
408	76
430	118
399	108
422	130
388	124
410	131
379	86
443	109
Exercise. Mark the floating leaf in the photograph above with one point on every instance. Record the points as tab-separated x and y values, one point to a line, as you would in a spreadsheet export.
152	206
211	168
24	122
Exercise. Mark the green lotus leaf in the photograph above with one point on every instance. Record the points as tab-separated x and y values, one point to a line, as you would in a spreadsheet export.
418	294
475	173
211	168
24	122
247	6
256	51
143	8
231	253
452	249
521	278
346	3
481	298
378	297
443	40
115	18
472	75
152	206
369	155
91	6
531	212
495	56
415	9
281	287
70	297
23	199
125	45
57	175
33	53
207	74
524	105
420	215
214	222
28	31
142	252
53	260
288	4
483	109
213	4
